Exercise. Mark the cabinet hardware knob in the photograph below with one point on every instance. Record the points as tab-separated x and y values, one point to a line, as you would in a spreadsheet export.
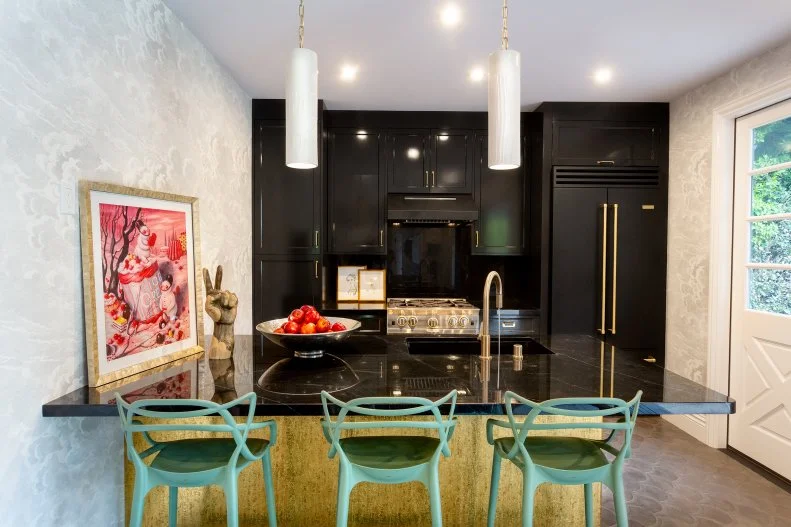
381	238
316	269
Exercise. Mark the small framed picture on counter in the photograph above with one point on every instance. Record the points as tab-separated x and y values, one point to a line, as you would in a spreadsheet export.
348	282
371	285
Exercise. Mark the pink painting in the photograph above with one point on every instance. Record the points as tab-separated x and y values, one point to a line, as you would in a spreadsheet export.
145	273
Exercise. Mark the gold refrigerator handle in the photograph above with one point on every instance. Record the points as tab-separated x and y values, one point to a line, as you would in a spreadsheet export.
603	269
614	263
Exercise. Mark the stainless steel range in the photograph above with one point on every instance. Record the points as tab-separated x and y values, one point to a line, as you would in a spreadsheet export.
432	316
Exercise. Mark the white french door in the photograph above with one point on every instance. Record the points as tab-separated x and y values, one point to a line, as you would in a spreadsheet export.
760	376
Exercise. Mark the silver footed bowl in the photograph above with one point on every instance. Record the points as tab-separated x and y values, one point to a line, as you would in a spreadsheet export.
308	346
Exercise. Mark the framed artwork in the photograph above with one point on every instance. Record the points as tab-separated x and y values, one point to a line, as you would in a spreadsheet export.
140	252
372	285
175	380
347	282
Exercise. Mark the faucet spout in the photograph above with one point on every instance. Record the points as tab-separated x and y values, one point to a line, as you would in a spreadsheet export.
484	336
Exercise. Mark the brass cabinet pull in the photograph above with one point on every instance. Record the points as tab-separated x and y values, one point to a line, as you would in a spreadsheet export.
433	179
426	178
603	268
476	238
381	238
316	269
605	162
614	263
508	324
317	239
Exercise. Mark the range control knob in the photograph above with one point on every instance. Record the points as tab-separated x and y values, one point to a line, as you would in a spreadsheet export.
433	322
401	321
464	322
452	321
412	322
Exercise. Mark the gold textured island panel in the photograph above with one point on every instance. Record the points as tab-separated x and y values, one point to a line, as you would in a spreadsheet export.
306	485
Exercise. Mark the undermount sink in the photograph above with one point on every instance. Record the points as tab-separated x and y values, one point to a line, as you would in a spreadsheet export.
471	346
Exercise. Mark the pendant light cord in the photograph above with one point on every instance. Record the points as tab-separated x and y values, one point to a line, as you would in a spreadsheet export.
301	23
505	25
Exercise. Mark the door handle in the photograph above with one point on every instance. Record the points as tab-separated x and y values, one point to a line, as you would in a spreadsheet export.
614	262
603	269
605	162
317	240
433	179
476	238
316	269
426	185
381	238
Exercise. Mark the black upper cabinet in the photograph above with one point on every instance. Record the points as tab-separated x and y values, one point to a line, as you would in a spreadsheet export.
501	194
605	143
408	161
451	161
286	201
357	192
429	161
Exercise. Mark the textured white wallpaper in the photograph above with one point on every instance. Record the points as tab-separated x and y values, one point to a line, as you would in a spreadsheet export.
116	91
690	201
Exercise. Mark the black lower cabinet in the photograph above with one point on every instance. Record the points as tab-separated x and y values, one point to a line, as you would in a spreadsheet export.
608	266
281	284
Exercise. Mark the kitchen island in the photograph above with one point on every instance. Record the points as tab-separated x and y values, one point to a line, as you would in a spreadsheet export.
379	365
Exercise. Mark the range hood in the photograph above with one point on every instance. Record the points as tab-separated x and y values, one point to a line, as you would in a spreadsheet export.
431	209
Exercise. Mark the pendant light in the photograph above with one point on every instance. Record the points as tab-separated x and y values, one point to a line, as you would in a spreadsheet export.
504	104
302	103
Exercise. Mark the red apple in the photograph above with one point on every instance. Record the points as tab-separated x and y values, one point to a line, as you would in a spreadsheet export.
323	325
296	316
308	328
311	317
338	327
291	327
279	330
307	308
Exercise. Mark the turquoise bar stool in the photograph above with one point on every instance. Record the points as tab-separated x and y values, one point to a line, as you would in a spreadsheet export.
388	458
564	460
196	462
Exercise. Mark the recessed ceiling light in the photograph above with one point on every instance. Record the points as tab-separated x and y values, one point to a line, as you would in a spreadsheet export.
602	75
450	16
349	72
477	74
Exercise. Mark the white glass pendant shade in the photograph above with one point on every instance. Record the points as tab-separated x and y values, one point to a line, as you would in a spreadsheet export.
302	102
504	110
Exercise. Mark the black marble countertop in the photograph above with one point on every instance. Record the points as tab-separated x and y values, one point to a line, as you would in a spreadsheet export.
379	365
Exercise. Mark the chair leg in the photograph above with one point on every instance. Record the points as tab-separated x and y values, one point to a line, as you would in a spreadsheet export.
528	493
173	505
138	500
434	496
269	490
232	499
589	505
619	500
493	487
344	489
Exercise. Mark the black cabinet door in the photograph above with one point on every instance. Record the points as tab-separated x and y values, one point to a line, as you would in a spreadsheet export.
577	244
451	161
501	194
408	164
283	283
605	143
637	281
357	193
286	201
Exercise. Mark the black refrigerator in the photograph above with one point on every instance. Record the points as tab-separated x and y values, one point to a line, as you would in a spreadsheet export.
608	259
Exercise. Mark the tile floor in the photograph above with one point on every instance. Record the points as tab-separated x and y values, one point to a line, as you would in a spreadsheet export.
672	479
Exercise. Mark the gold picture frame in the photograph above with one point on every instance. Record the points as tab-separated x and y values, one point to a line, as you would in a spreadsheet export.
372	285
149	294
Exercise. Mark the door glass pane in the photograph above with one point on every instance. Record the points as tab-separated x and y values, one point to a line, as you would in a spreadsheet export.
772	143
770	290
771	193
770	242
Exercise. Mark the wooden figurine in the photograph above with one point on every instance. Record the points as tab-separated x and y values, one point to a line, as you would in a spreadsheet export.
221	307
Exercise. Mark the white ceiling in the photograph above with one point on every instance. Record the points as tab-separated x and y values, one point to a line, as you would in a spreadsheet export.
657	49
